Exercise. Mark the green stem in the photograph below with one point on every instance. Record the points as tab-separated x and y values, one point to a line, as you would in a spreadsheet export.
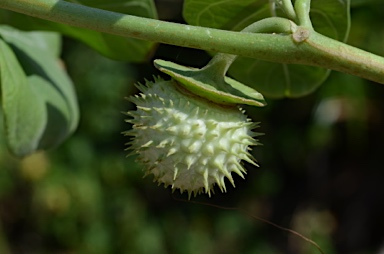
153	30
272	8
339	56
316	50
221	62
303	8
289	10
271	25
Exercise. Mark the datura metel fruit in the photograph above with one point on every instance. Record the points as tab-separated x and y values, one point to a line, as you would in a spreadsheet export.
188	142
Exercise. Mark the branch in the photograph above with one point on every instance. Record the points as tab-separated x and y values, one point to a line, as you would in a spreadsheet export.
315	50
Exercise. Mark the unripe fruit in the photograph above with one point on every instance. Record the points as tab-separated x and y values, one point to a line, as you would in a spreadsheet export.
186	141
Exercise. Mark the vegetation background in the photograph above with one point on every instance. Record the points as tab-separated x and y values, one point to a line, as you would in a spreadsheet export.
321	169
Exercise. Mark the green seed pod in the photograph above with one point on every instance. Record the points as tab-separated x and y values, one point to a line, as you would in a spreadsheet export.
186	141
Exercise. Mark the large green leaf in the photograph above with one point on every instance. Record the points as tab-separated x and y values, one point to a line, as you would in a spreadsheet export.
358	3
24	111
222	14
38	99
47	42
329	17
115	47
143	8
279	80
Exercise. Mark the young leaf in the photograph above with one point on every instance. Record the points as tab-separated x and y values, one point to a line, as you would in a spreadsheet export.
32	79
329	17
112	46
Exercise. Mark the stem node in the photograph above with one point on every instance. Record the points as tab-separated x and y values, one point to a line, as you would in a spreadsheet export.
301	34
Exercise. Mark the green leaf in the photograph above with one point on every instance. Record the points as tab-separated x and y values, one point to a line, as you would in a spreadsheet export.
329	17
358	3
205	84
143	8
38	99
112	46
278	80
48	42
24	111
222	14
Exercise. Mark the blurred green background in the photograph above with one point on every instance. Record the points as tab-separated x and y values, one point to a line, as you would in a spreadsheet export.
321	170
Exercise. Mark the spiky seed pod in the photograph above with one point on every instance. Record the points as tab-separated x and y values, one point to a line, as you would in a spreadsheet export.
186	141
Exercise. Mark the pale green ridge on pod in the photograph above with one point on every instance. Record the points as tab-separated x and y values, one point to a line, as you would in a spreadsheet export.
186	141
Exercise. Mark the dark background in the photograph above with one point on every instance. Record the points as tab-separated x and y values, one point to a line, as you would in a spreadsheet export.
321	170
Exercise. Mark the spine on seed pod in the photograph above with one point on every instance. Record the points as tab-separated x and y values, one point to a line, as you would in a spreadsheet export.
187	141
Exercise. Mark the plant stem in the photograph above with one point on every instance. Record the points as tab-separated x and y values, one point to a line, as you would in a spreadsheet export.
288	9
339	56
316	50
221	61
271	25
303	8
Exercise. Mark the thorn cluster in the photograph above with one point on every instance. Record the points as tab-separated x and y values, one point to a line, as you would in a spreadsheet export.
186	141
